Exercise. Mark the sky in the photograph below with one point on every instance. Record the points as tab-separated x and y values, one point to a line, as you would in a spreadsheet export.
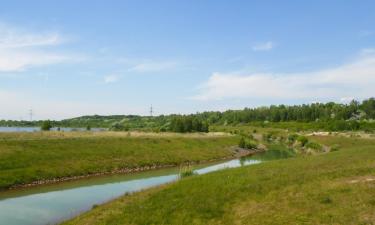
71	58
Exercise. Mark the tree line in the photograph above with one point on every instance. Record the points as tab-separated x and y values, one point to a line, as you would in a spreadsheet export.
300	113
183	124
332	116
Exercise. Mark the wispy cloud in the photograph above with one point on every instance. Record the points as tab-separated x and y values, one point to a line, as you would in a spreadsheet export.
356	79
154	66
265	46
365	33
140	65
21	49
110	79
11	37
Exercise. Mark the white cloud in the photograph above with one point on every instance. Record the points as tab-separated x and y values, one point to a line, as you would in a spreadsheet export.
154	66
15	61
11	37
111	79
21	49
266	46
355	79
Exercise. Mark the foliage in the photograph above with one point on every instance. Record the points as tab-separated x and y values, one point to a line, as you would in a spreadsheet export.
314	145
118	127
183	124
268	137
317	116
335	147
300	190
303	140
51	155
186	171
292	138
46	125
247	143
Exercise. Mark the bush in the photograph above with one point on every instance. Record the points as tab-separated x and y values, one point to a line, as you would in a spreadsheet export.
314	145
242	143
267	137
303	140
46	125
250	145
292	137
335	147
186	171
247	143
118	127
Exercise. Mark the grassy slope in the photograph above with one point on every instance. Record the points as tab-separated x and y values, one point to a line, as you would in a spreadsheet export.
324	189
28	157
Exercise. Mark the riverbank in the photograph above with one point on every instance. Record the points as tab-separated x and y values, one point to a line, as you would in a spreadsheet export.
29	159
237	153
330	188
50	204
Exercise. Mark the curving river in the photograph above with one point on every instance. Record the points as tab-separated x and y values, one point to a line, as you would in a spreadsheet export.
51	204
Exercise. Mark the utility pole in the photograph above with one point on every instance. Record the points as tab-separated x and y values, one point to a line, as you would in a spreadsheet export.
31	114
151	111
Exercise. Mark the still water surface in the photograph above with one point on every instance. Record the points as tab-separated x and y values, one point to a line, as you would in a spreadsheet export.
35	129
53	203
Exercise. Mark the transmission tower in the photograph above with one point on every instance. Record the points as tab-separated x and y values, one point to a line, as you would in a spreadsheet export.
31	114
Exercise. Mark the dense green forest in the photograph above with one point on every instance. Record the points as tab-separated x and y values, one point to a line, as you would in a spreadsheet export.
326	116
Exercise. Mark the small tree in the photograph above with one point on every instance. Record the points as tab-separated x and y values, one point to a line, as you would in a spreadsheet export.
46	125
303	140
242	143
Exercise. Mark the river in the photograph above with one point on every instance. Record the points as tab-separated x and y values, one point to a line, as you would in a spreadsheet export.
50	204
35	129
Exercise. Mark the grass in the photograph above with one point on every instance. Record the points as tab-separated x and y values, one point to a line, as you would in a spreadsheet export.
28	157
186	171
330	188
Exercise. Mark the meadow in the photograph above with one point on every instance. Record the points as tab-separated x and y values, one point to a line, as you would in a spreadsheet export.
30	157
328	188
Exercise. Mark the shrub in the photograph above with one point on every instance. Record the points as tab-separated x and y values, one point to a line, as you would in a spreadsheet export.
46	125
292	137
242	143
335	147
267	137
250	144
186	172
303	140
118	127
247	143
314	145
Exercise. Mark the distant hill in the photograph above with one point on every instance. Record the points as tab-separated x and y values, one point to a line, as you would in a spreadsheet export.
329	116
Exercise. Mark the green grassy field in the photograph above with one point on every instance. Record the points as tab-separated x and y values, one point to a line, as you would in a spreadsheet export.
28	157
330	188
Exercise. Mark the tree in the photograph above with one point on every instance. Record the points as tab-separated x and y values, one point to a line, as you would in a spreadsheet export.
46	125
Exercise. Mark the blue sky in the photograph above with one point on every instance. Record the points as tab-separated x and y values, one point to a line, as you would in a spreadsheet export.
70	58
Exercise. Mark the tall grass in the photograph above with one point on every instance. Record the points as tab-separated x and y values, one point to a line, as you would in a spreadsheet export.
25	158
332	188
186	171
